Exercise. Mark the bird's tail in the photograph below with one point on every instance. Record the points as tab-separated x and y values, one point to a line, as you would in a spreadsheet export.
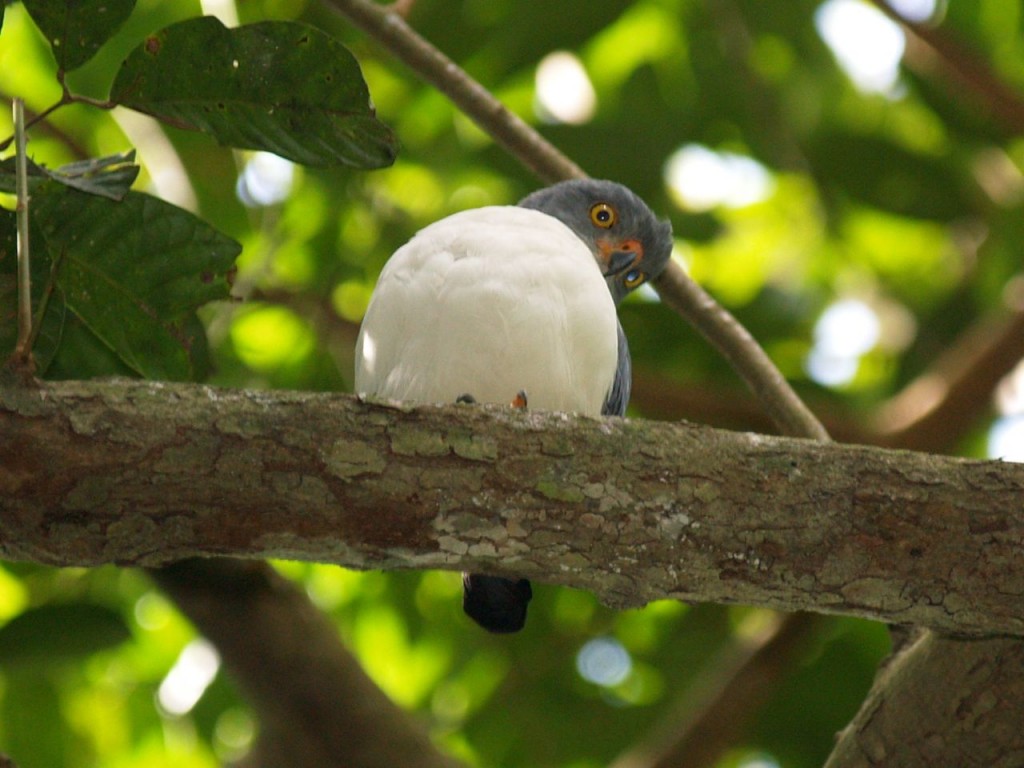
496	604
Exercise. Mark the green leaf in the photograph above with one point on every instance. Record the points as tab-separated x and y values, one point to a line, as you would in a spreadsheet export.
72	631
82	355
890	177
282	87
77	29
109	177
135	272
49	335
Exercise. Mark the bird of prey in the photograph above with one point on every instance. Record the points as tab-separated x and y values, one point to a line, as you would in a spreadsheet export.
514	304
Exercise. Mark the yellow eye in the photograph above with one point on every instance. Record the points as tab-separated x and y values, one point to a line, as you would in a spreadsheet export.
603	215
633	278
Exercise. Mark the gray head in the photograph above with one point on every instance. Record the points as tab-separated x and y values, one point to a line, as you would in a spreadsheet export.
629	243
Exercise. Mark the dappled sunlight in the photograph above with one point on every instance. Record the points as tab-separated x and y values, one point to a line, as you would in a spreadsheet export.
269	337
564	91
865	42
603	661
845	331
700	179
265	180
188	679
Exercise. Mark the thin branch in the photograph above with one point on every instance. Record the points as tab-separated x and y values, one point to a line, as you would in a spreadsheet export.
744	354
677	289
66	98
23	347
32	121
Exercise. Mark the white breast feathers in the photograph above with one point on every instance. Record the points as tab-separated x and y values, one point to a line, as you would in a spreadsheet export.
489	302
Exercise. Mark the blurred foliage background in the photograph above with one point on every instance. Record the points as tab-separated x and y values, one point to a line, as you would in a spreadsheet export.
849	187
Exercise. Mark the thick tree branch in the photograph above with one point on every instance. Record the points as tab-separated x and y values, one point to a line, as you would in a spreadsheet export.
142	474
969	718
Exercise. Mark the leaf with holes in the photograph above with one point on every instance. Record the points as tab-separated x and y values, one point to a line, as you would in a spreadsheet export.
134	273
77	29
282	87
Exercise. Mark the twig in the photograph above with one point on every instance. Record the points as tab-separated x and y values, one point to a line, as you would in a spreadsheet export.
23	348
32	121
791	416
67	97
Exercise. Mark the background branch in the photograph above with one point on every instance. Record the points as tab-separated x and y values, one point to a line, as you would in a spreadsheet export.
930	45
285	655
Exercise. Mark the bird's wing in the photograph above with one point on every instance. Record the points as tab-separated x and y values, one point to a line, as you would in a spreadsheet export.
618	397
488	302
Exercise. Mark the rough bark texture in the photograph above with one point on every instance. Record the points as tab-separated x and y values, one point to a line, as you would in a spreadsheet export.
287	659
143	474
969	717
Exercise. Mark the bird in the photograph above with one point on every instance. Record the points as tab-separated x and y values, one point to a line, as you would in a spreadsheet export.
514	304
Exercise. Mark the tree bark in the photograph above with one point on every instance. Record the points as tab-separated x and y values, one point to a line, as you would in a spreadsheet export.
969	718
143	474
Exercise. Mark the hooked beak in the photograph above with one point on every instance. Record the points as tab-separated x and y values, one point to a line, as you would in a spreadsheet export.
614	261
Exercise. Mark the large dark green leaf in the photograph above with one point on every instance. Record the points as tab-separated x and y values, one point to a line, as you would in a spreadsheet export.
53	632
135	272
77	28
47	302
8	283
283	87
109	177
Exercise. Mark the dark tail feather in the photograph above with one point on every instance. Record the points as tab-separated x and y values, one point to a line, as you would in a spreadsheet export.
496	604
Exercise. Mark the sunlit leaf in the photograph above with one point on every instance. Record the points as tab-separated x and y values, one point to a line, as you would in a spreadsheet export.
282	87
76	29
31	698
135	272
67	631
